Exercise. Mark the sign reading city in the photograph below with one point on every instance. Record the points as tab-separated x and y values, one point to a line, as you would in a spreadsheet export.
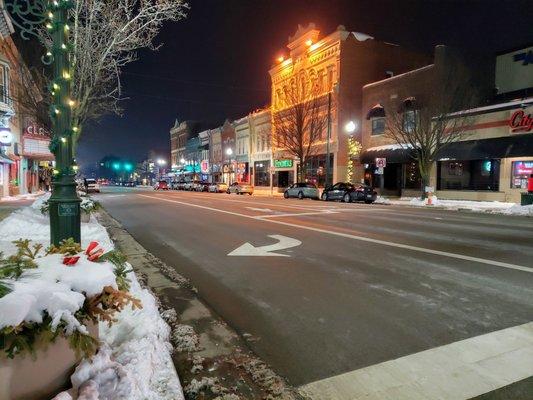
521	122
284	163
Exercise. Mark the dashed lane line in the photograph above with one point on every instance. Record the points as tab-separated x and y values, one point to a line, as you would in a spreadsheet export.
355	237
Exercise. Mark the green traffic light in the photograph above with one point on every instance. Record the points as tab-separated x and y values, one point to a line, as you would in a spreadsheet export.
116	166
128	167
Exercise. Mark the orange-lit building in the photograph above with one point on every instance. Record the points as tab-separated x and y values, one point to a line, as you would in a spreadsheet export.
339	64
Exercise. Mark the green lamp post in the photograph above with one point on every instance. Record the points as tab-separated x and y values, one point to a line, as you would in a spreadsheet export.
30	16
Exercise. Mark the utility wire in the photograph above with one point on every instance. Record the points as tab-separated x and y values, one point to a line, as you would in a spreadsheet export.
199	83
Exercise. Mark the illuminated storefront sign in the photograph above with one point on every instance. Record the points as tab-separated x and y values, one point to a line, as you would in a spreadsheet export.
521	122
6	137
284	163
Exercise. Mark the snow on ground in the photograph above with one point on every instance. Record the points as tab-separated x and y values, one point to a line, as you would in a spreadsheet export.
18	197
134	361
496	207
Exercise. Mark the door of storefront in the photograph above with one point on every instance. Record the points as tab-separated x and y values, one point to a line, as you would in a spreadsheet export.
392	179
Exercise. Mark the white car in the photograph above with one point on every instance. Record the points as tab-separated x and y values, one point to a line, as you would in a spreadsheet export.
240	188
220	187
91	185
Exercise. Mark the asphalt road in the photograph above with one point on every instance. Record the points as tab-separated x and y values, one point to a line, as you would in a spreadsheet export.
367	283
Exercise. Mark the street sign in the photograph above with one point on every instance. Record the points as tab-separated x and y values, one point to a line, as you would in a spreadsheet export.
284	242
379	171
381	162
272	169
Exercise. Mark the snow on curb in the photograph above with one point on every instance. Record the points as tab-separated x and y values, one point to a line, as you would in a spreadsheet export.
134	361
494	207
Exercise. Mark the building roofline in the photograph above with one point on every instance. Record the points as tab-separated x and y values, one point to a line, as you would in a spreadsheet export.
399	76
494	107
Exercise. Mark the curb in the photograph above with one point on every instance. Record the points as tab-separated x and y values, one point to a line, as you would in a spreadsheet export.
211	359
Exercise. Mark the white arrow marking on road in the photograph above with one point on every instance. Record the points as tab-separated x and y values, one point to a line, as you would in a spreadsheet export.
284	242
260	209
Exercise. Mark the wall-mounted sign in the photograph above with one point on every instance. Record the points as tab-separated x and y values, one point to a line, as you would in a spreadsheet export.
6	137
284	163
204	166
35	130
521	122
514	70
381	162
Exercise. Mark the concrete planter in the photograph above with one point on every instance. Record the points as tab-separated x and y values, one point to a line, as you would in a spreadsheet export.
42	377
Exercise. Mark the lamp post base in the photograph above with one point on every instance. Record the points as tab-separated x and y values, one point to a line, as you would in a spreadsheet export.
64	207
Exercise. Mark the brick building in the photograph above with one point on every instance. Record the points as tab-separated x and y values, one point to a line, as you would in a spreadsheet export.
491	158
340	64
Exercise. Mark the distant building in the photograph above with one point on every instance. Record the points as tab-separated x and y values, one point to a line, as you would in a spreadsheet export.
179	134
260	148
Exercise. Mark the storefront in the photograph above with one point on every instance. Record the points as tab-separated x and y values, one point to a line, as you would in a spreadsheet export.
262	173
37	163
492	163
315	169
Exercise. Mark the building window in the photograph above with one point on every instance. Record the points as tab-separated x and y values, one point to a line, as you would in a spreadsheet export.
261	173
409	120
378	126
315	171
4	83
468	175
522	170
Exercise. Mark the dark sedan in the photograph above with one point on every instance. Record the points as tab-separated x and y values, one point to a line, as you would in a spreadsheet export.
349	192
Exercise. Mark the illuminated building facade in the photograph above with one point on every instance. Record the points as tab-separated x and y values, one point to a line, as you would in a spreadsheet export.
339	65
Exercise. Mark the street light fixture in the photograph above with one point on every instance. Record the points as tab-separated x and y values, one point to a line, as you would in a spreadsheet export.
182	160
229	151
350	127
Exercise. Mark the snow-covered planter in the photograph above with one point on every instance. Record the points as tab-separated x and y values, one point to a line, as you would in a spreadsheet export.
46	296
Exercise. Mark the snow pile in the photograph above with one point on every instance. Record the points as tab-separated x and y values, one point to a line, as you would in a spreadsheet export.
519	210
489	206
134	361
55	289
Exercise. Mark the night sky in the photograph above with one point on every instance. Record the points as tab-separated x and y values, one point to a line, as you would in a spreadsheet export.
214	64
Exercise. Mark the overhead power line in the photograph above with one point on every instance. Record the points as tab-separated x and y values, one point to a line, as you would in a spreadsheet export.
199	83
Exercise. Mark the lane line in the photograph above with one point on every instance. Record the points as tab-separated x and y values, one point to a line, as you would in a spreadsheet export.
355	237
456	371
297	214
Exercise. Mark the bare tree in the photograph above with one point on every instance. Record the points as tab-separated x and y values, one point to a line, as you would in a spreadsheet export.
106	35
299	125
427	125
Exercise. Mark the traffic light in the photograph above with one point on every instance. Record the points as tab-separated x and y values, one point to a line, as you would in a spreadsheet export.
116	166
128	166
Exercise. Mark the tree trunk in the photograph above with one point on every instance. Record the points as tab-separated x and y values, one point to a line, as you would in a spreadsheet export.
424	167
301	172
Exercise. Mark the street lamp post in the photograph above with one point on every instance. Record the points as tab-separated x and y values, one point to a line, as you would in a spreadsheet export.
29	16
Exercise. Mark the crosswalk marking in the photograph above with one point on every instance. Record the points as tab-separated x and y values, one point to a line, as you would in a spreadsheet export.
457	371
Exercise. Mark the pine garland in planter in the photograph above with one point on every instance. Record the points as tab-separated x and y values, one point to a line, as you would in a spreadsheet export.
15	340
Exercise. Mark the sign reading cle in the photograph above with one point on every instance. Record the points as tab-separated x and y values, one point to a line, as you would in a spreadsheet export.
521	122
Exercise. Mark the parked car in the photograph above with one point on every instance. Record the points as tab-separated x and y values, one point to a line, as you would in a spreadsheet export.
240	188
188	185
130	184
180	185
302	191
349	192
161	185
91	185
219	187
201	186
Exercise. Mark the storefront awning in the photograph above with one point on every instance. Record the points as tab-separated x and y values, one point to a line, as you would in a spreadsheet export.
502	147
393	153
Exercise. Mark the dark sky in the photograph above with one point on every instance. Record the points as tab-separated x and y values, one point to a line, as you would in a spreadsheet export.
214	64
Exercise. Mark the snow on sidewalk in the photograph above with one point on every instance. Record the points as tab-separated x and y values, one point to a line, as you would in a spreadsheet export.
28	196
496	207
134	361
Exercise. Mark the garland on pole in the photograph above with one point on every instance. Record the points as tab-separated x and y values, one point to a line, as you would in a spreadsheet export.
354	148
